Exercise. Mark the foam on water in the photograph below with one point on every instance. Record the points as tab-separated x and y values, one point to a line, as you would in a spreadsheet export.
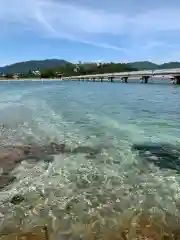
72	189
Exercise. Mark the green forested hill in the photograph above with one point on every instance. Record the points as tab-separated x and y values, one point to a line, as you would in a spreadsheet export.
152	66
144	65
170	65
24	67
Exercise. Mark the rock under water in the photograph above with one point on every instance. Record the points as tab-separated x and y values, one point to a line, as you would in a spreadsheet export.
12	156
17	199
162	155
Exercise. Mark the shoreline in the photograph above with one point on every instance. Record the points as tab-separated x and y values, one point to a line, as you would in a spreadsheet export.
30	79
59	79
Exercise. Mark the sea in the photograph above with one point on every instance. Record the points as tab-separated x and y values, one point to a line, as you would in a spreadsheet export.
76	194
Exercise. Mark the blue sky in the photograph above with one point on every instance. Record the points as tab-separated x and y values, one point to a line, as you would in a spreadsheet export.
89	30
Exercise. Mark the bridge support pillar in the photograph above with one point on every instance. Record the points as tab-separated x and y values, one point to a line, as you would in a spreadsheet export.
124	79
177	78
101	79
93	79
111	79
145	79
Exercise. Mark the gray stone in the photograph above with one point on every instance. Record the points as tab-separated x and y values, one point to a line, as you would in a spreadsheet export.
17	199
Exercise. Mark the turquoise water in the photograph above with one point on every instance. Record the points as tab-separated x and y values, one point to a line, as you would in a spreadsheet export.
110	116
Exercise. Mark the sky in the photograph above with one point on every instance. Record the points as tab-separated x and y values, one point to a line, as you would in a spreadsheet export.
89	30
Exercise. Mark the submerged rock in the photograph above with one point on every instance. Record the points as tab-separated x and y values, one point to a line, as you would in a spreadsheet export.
162	155
6	179
35	150
11	156
86	149
91	156
17	199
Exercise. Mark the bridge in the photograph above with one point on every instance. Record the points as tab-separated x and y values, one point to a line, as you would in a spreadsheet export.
173	74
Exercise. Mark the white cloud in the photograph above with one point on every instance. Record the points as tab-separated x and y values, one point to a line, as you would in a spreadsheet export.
78	23
58	19
90	24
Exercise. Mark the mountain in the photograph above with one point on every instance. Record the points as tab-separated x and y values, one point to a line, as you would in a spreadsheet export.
144	65
22	67
170	65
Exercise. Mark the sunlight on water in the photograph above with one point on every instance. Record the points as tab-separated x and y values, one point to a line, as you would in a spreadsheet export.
105	191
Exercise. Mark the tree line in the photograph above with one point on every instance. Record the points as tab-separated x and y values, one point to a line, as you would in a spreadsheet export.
75	70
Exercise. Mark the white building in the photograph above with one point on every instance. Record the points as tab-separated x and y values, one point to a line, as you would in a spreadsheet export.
37	73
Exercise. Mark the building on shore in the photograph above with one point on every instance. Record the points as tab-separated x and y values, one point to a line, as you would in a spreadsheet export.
36	73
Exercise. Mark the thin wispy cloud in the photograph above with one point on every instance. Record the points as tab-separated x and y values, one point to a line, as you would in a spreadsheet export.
125	27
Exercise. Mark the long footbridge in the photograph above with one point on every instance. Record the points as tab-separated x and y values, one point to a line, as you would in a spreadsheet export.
173	74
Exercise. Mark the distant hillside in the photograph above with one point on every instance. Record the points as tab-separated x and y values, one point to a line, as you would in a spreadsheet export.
22	67
170	65
152	66
144	65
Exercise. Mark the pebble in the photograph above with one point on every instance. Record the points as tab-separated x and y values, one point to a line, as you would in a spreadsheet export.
17	199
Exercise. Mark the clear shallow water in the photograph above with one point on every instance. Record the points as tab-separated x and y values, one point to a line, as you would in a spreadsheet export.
73	189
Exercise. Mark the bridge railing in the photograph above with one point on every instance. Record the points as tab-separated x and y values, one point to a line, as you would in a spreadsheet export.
174	71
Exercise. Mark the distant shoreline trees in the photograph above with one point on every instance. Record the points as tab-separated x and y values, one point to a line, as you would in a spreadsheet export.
74	70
